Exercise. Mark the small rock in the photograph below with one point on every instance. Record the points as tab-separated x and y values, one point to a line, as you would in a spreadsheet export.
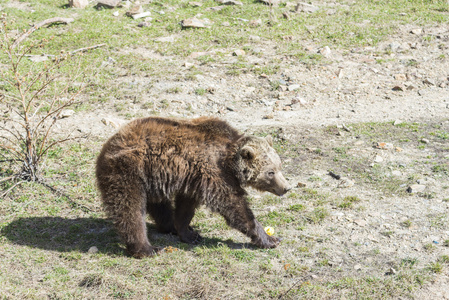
216	8
400	77
269	116
271	208
135	10
92	250
360	222
192	23
188	65
165	39
196	4
396	173
226	24
271	2
116	123
428	81
198	54
421	181
301	185
293	87
306	7
144	24
378	159
340	73
384	146
416	188
397	122
391	271
416	31
398	88
425	141
125	4
357	267
286	15
345	183
394	46
326	52
239	52
38	58
141	15
78	3
372	238
65	113
410	87
255	23
115	13
229	2
108	3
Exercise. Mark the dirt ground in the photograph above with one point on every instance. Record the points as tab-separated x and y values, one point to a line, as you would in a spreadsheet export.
377	117
404	80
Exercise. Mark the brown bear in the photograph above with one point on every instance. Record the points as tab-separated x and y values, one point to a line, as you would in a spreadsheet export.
168	167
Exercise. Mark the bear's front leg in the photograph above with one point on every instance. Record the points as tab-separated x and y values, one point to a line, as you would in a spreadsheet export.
239	216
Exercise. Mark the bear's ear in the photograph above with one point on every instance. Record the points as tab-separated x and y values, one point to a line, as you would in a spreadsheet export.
269	140
247	152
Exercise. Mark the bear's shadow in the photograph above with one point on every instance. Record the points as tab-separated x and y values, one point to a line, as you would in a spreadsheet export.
66	235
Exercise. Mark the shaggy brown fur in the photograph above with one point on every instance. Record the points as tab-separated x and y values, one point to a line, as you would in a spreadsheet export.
167	168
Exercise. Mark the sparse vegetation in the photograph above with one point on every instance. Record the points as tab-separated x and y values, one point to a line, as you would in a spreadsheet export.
48	240
35	98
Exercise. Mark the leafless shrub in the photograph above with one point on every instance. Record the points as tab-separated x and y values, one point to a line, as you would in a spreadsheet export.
32	97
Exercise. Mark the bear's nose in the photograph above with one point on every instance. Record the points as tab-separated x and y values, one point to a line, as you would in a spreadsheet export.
287	189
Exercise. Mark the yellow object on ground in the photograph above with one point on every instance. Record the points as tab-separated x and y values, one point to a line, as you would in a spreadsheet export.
269	230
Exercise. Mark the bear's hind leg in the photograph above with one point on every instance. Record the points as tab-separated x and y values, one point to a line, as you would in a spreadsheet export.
162	214
125	205
134	230
184	212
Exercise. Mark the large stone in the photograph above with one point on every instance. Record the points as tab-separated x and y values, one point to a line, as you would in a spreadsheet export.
192	23
78	3
416	188
108	3
305	7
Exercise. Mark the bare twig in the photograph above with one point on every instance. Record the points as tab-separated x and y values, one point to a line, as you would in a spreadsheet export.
10	189
6	178
39	25
294	284
87	48
63	194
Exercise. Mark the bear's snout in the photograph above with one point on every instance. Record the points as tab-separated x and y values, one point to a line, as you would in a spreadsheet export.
282	185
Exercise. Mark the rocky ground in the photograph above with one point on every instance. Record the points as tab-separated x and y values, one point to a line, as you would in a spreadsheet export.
404	80
377	116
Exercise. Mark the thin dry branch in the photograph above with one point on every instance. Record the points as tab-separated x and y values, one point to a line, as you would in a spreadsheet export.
6	178
63	194
10	189
87	48
39	25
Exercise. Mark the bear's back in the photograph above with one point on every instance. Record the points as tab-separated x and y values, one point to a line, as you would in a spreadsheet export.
203	129
197	138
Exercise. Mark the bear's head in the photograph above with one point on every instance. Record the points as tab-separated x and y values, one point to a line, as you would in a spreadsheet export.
259	166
